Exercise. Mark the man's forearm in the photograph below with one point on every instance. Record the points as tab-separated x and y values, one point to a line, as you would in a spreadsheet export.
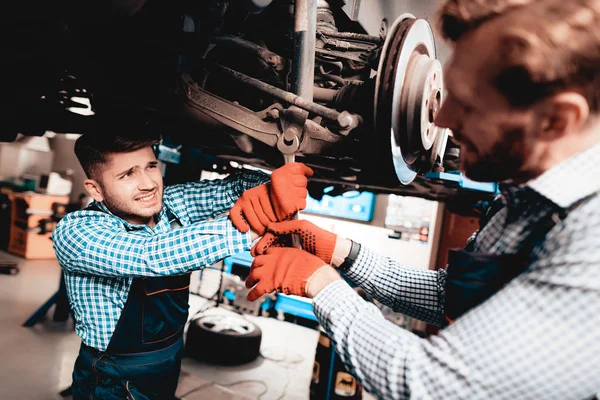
206	199
326	275
538	345
367	343
413	291
106	251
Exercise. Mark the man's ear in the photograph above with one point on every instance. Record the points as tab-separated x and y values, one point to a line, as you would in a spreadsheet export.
94	189
564	113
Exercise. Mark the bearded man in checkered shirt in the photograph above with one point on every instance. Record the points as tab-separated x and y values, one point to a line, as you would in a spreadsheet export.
520	304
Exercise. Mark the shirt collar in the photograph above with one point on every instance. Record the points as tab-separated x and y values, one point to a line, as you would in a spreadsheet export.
571	180
514	196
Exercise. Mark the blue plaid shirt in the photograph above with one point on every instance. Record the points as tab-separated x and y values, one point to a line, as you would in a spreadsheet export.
537	338
101	253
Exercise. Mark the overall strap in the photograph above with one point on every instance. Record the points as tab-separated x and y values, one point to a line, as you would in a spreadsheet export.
546	224
174	221
496	205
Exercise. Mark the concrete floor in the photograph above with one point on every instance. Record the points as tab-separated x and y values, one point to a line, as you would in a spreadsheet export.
37	362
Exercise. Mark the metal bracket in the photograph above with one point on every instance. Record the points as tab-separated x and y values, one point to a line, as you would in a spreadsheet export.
214	109
292	122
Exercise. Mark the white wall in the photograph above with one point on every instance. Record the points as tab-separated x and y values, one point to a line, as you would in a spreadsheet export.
64	158
16	160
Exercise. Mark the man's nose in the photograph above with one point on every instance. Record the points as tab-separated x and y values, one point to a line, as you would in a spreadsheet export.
447	116
146	182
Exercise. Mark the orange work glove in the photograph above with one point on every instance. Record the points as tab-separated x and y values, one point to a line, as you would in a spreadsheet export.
315	240
288	189
286	270
253	210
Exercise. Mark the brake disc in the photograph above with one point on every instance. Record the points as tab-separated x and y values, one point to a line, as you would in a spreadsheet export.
408	92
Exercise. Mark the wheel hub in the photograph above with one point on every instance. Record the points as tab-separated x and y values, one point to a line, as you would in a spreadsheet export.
409	88
218	323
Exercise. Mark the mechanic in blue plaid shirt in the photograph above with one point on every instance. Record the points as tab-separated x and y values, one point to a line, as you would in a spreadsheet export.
520	304
127	258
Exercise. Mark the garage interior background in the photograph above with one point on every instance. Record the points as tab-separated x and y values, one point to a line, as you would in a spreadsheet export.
417	242
412	230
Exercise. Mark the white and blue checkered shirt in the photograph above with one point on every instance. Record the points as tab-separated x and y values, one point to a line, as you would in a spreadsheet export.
101	254
537	338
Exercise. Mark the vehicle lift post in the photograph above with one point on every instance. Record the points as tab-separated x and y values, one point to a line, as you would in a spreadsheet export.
303	77
62	310
60	298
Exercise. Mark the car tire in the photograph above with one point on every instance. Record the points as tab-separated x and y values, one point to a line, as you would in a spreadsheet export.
223	339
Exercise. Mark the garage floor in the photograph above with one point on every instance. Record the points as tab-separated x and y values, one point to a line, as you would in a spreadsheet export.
37	362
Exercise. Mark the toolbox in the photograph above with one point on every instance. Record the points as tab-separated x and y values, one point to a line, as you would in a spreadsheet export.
33	218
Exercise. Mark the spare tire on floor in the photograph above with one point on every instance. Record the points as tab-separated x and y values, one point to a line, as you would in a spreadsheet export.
223	338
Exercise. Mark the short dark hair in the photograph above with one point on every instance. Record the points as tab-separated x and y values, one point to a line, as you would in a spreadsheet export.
557	50
459	17
93	150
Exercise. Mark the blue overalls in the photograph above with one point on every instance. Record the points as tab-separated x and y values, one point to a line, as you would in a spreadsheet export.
143	358
474	277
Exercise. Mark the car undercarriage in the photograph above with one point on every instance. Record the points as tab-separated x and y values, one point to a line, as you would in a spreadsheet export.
257	82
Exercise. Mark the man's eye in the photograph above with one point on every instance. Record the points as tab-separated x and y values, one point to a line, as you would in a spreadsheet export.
152	166
127	174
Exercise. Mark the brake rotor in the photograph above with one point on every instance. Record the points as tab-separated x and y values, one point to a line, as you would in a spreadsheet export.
408	92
